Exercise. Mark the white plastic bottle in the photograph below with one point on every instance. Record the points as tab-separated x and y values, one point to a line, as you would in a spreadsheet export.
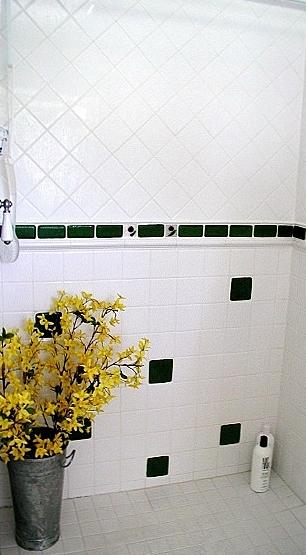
261	465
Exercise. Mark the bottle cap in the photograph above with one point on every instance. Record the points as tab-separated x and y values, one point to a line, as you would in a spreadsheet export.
263	441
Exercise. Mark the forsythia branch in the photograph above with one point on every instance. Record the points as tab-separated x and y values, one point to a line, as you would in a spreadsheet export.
50	388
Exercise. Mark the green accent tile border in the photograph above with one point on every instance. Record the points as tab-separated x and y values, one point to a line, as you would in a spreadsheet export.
299	232
26	231
80	231
241	231
157	466
265	230
285	231
161	371
109	231
158	231
230	434
151	230
191	230
51	231
216	230
241	289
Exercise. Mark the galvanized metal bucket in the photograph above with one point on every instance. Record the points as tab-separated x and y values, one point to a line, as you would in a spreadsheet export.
37	490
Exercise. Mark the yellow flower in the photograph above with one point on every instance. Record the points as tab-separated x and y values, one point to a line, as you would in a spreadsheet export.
4	456
41	451
64	381
19	453
4	424
44	322
87	296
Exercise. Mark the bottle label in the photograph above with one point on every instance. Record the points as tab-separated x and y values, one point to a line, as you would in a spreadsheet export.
265	463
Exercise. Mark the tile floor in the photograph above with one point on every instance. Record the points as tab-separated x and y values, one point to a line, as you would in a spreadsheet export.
212	516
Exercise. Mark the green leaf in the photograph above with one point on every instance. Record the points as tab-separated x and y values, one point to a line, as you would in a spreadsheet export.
9	336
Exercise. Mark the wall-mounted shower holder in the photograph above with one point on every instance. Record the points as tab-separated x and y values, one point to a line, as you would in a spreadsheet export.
7	232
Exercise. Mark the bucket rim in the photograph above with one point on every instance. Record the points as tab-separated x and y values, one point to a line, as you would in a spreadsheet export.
33	460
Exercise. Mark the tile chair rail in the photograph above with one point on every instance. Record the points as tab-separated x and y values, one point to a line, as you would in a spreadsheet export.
160	231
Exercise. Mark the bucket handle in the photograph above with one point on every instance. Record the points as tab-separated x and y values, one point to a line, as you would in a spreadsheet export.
69	459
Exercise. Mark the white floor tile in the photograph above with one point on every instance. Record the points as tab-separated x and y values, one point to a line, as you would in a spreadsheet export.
203	517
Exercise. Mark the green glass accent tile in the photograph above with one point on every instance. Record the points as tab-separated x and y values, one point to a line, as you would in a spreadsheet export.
84	433
109	231
161	371
26	231
190	231
151	230
241	289
216	230
157	466
265	231
241	230
54	319
51	231
80	231
299	232
285	230
230	434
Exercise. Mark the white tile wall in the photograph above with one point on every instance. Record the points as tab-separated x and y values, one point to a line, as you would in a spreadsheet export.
291	454
225	368
300	204
145	111
142	110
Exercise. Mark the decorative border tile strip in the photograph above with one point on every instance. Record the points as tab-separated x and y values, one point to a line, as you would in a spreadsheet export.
285	231
241	230
151	230
158	231
171	230
299	232
26	231
265	230
51	231
109	231
216	230
192	230
80	231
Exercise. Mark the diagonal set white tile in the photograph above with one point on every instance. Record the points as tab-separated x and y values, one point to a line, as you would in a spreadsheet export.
47	106
91	153
86	192
69	130
69	174
219	93
46	15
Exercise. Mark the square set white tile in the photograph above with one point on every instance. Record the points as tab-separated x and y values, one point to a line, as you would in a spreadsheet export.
226	365
291	415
